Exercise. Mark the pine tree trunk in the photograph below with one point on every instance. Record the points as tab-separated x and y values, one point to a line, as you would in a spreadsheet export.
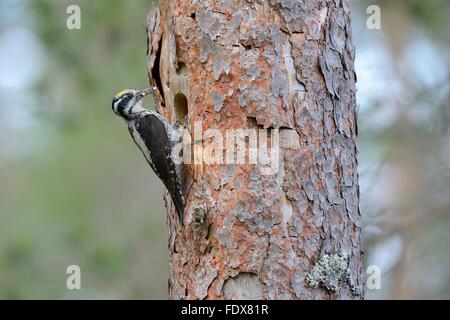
288	232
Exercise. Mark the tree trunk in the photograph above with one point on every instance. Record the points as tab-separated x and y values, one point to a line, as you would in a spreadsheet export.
283	71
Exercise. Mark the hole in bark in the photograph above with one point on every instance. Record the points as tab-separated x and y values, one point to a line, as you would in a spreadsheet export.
247	44
253	124
180	104
181	68
193	16
155	70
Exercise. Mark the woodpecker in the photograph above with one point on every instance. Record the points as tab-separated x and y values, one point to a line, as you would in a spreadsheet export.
156	139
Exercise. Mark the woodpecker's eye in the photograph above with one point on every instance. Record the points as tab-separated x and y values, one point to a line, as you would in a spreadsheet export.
125	98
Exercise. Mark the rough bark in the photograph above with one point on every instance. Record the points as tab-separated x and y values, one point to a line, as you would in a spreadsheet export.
274	64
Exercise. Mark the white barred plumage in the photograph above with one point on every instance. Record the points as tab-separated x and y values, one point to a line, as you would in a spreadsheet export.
156	138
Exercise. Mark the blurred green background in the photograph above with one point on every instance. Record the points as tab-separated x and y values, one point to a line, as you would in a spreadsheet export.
75	190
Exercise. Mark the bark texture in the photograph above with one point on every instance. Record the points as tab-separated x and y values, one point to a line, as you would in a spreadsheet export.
276	64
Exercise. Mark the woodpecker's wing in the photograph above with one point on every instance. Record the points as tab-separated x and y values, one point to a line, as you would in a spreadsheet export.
153	136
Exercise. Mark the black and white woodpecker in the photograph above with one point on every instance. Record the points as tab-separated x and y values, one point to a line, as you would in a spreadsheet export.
156	139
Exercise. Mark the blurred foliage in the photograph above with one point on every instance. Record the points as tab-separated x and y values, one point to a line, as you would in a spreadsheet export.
432	15
79	192
404	141
85	196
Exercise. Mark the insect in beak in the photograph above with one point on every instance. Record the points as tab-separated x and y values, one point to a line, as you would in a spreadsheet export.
141	94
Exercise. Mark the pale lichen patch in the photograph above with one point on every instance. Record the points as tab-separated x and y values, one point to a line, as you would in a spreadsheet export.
330	272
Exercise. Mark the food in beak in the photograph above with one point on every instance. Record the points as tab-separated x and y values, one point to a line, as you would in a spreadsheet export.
144	93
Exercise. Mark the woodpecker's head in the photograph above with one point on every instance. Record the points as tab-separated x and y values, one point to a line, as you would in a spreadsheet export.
128	102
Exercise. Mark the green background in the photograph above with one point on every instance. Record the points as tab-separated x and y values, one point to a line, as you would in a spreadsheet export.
75	190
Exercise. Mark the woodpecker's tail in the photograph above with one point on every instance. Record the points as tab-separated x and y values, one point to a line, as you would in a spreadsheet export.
178	201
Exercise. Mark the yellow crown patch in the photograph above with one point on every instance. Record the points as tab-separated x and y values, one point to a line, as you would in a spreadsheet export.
121	93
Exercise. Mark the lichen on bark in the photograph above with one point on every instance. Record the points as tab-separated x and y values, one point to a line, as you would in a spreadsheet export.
330	272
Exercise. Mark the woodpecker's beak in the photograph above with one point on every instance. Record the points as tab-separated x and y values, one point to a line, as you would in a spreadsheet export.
141	94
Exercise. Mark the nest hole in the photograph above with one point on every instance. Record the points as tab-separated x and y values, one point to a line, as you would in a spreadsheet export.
180	104
181	68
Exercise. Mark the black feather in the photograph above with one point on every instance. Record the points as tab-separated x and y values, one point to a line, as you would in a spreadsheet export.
153	133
